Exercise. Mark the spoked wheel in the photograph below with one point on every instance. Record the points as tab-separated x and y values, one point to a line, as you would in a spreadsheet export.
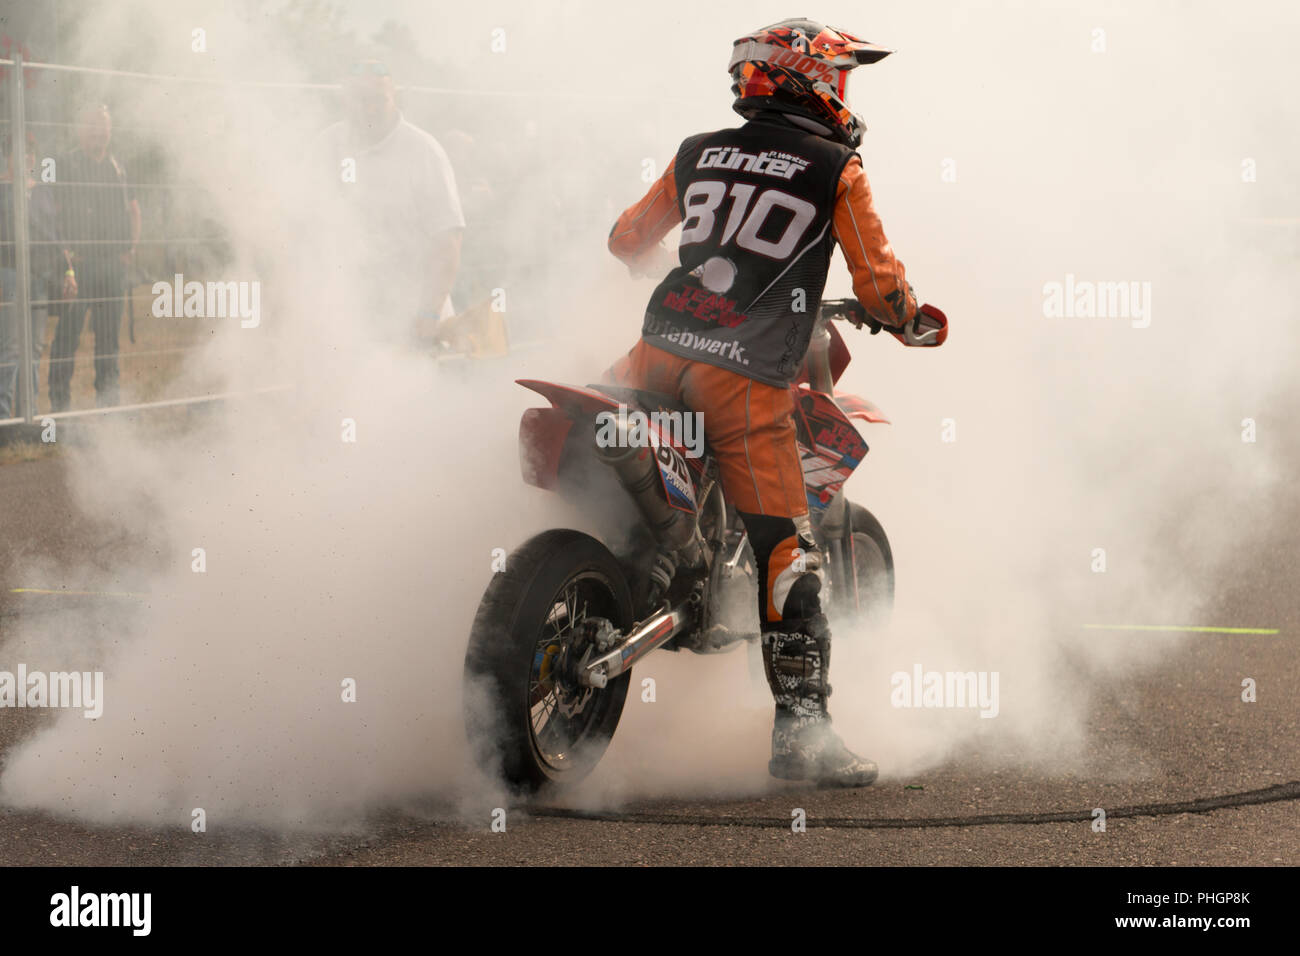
873	567
562	713
526	713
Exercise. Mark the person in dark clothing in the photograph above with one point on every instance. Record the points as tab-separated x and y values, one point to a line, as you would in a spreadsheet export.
47	259
100	217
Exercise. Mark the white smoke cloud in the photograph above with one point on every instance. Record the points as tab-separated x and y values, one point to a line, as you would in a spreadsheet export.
329	560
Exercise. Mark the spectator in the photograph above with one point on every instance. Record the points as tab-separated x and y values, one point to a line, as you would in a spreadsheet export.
46	259
100	218
392	207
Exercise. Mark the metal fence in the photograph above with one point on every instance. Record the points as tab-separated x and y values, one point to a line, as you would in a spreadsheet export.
81	243
84	224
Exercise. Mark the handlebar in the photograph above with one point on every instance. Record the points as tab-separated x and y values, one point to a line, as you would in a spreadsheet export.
929	328
850	310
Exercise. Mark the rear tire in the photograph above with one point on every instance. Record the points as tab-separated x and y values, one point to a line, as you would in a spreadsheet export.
523	715
872	566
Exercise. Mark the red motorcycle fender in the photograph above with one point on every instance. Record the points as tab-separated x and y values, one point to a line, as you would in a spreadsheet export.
839	353
542	432
570	397
855	406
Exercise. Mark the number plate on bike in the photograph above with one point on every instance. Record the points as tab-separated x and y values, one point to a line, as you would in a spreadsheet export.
674	472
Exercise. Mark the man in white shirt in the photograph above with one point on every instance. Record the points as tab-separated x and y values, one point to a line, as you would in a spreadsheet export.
392	217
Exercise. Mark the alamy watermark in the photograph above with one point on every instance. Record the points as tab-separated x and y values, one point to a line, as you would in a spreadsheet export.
128	910
959	689
632	429
76	689
1084	299
208	300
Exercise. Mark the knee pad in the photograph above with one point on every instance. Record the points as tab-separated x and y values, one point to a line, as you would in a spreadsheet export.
789	567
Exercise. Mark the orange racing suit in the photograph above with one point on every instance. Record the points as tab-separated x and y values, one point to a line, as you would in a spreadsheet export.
749	421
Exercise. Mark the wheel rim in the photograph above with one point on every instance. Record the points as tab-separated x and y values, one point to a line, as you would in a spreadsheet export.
561	714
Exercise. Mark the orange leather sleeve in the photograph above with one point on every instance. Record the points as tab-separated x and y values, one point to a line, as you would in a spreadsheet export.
641	227
879	279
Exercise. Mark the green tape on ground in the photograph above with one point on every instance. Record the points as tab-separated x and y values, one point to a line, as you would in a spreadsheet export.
1180	627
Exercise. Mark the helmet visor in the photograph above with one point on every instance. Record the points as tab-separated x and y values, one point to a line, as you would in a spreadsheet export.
862	51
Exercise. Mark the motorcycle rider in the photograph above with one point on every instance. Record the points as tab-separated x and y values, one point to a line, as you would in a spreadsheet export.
725	332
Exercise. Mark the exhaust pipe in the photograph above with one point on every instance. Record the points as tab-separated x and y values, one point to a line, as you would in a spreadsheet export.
653	633
638	472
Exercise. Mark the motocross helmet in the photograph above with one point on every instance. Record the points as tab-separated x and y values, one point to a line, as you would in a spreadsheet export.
801	68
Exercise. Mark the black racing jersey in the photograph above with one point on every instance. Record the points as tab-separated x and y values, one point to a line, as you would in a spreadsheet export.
756	204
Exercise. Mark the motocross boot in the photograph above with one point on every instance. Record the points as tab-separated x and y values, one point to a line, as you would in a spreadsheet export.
796	659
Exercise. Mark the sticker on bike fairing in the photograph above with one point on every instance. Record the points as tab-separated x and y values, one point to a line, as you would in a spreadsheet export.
829	447
674	472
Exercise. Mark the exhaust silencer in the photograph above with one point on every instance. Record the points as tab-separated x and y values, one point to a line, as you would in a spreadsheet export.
638	472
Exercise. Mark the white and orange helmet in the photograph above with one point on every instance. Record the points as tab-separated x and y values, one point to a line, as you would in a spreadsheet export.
801	67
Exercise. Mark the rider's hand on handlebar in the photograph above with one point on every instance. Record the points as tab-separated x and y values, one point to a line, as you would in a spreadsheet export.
928	329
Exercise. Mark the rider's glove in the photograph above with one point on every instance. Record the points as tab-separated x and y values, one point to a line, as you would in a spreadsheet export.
928	329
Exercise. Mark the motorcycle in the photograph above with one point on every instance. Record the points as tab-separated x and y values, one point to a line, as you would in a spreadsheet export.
559	630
